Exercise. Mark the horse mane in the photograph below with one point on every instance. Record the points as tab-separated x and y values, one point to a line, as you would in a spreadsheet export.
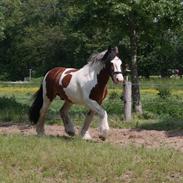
96	57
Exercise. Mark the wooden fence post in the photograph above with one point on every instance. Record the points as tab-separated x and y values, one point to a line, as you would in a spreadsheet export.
127	100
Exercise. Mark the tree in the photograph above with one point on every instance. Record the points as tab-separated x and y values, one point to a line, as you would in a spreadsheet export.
131	23
43	34
2	24
33	37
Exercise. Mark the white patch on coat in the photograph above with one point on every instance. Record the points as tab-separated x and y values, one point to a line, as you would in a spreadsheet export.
82	82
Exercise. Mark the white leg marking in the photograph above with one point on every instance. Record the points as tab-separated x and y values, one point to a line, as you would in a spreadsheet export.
104	126
86	136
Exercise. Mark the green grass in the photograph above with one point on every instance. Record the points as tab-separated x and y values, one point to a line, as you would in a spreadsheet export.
29	159
16	108
164	111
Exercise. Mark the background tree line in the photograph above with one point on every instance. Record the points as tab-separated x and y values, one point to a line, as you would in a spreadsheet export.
41	34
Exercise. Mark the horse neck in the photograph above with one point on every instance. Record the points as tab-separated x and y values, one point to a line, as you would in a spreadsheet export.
102	74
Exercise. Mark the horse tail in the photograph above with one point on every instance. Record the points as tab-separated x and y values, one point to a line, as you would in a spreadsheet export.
34	111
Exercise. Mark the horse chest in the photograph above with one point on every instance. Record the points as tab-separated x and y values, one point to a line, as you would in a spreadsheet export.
98	93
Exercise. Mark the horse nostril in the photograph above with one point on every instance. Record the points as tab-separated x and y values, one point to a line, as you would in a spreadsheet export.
119	80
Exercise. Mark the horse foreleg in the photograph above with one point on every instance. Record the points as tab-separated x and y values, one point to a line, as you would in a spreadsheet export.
104	126
84	131
40	125
69	127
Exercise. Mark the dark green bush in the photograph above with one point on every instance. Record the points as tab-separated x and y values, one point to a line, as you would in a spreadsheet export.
169	107
11	110
114	95
164	92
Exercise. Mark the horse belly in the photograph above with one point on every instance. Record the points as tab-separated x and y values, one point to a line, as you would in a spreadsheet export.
74	95
80	86
73	92
78	91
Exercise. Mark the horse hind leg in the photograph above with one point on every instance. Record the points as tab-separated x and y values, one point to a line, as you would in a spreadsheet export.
69	127
40	125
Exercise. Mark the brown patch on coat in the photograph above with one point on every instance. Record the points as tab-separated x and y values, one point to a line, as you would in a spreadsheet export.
53	88
66	80
99	91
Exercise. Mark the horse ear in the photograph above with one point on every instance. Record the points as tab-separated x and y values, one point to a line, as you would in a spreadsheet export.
107	53
109	48
116	50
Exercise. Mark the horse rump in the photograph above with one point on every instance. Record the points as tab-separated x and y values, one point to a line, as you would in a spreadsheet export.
34	111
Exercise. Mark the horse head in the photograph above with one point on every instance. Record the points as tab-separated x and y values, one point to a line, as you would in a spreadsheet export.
114	64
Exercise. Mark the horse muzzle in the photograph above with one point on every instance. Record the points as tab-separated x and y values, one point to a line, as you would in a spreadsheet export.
117	77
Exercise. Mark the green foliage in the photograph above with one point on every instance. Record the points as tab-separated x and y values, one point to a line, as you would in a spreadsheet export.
114	95
165	107
164	92
2	24
11	110
159	113
113	104
41	34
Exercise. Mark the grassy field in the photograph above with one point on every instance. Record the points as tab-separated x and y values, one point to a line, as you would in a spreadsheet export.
31	159
165	110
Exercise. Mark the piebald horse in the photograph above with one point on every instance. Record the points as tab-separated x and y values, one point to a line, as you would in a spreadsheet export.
86	86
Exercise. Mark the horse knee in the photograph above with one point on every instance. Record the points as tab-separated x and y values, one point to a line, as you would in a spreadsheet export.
103	115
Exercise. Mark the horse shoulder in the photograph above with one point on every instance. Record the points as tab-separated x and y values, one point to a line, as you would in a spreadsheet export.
98	94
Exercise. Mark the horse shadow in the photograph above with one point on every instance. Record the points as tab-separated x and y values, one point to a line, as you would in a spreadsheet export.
23	127
172	128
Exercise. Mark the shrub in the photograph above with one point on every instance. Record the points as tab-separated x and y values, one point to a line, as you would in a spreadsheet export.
164	92
169	107
11	110
114	95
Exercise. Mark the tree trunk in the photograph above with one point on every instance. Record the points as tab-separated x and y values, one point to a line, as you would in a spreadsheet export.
137	106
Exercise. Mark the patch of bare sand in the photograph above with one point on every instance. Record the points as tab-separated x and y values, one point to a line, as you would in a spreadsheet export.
137	137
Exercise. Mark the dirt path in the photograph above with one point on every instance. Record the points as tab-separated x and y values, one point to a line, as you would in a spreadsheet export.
147	138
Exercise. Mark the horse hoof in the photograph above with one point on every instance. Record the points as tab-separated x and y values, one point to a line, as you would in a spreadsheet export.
103	134
71	133
102	138
86	136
